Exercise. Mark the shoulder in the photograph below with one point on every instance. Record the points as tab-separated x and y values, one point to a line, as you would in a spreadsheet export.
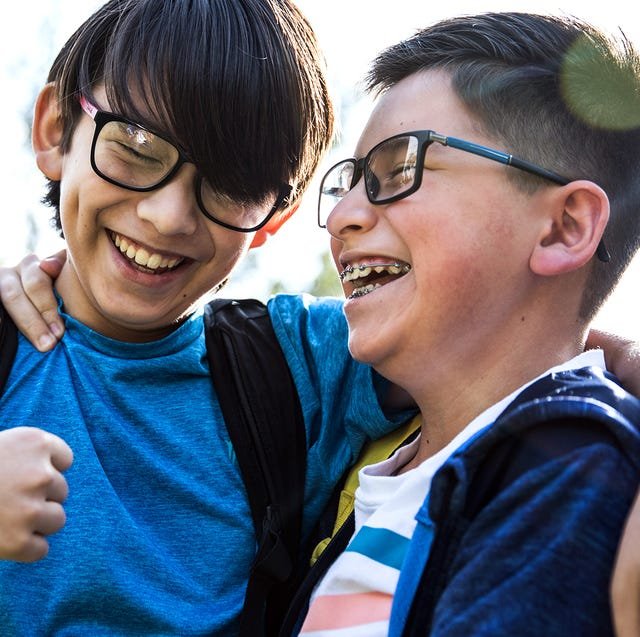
296	304
536	498
568	410
579	423
319	320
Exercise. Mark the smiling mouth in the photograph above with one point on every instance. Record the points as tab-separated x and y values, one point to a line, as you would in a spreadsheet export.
142	259
367	277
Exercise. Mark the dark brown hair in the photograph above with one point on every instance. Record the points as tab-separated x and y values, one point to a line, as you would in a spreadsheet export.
237	85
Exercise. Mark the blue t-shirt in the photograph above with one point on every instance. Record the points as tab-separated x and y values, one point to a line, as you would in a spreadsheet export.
159	538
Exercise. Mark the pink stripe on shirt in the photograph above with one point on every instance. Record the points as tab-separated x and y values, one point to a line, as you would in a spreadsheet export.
330	612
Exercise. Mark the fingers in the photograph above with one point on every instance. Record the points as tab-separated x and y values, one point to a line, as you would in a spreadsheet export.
605	340
23	539
51	456
50	519
61	454
35	549
31	545
52	266
30	548
56	489
32	491
26	292
37	282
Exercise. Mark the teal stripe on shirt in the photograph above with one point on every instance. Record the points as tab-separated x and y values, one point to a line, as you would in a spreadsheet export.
381	545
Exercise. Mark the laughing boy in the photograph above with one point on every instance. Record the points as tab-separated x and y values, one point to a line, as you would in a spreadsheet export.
491	207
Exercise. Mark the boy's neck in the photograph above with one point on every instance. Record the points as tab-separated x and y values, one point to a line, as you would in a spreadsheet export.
456	386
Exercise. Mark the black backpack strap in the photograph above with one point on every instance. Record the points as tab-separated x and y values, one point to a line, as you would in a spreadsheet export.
264	419
8	345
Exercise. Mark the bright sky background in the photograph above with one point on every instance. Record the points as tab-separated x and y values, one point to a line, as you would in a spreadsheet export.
350	31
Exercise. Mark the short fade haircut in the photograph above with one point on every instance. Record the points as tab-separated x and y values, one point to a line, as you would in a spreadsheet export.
553	90
238	85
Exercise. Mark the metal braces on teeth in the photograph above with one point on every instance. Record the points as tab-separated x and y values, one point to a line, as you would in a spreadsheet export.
358	292
394	268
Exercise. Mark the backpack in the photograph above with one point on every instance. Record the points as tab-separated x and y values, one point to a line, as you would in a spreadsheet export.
264	420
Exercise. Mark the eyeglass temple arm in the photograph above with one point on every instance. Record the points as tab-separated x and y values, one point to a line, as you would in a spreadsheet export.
505	158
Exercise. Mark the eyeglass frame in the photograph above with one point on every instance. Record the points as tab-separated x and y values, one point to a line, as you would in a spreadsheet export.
101	118
425	139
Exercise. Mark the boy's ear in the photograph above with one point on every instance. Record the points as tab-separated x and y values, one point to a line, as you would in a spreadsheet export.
275	223
47	133
574	229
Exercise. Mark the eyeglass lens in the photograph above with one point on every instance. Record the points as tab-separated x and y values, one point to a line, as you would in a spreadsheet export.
133	156
137	158
389	171
335	185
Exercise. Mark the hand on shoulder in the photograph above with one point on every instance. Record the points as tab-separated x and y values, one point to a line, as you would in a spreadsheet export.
26	292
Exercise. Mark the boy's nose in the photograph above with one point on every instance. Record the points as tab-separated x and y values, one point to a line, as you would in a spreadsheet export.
353	213
173	208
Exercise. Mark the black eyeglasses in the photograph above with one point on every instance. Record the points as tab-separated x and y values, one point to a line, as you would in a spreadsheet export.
130	156
393	170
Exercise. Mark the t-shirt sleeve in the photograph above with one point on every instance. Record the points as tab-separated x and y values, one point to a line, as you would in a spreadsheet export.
313	334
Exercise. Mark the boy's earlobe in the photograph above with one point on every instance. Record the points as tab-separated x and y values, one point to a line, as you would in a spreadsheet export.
571	238
47	133
273	226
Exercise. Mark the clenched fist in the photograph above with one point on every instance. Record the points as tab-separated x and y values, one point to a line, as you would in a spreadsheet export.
32	490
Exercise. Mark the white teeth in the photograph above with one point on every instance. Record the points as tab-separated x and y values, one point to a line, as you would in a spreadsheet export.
356	274
154	261
141	256
359	272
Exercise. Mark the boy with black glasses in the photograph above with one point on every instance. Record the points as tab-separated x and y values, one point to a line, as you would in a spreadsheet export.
175	135
491	207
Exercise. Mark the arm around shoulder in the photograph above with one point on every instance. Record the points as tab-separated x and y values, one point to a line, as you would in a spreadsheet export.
26	292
